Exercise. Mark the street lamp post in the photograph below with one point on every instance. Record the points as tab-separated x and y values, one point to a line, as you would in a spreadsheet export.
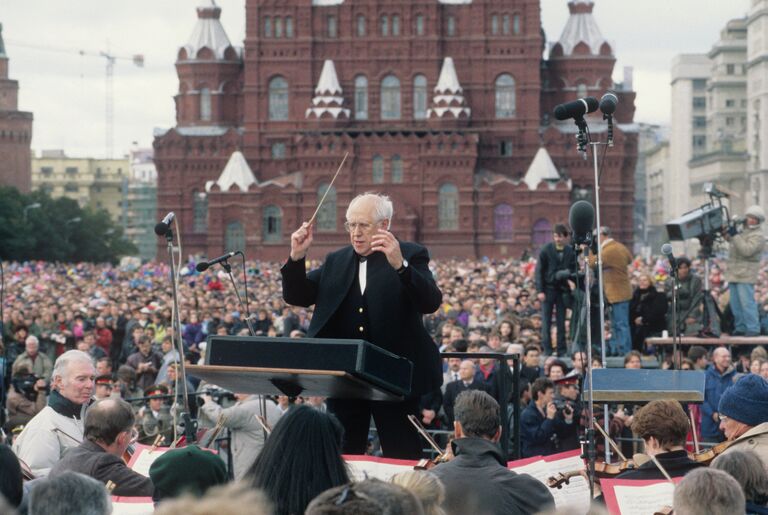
34	205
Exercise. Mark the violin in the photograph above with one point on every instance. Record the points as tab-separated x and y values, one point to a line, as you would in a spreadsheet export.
128	454
602	470
706	457
442	456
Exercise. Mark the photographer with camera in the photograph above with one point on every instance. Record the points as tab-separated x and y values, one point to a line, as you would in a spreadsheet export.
26	399
568	404
746	248
155	418
539	425
35	361
556	263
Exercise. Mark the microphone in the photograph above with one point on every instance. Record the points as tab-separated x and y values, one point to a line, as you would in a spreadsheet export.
162	227
666	249
576	109
203	266
608	103
581	218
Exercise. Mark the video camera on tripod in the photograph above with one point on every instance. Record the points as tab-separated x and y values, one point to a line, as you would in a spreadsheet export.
706	223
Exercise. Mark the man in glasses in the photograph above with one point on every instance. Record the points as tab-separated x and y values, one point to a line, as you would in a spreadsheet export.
108	433
376	289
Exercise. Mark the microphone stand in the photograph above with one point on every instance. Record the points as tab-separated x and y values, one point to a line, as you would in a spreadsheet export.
244	306
190	426
591	447
675	324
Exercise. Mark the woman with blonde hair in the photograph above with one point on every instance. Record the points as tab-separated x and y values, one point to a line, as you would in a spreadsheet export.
427	488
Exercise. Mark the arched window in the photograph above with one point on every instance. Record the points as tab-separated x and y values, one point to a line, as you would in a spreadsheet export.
396	167
494	24
516	24
361	97
267	27
450	26
326	217
419	97
278	99
502	222
390	98
542	231
384	22
205	104
234	237
395	25
378	169
448	207
278	27
199	211
505	96
505	24
272	226
332	27
288	27
360	25
419	25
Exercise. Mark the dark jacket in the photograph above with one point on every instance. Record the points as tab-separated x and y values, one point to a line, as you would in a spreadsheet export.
715	384
453	389
477	481
90	459
676	463
650	304
548	265
538	433
396	303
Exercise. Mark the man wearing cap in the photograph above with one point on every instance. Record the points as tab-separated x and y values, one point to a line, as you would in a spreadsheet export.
108	433
745	250
743	412
189	470
103	387
156	419
567	399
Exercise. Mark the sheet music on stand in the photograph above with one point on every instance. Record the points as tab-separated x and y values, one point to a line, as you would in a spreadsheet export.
637	496
132	505
362	467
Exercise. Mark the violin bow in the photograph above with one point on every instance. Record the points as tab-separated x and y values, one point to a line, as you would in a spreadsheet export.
661	468
693	432
610	441
264	425
311	220
423	433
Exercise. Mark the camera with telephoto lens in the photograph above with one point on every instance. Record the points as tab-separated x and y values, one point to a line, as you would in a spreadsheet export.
562	404
217	394
25	385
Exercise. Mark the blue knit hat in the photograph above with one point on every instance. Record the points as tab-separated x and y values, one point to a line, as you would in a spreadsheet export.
746	401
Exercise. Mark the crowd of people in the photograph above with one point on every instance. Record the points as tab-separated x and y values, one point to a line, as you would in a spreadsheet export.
89	367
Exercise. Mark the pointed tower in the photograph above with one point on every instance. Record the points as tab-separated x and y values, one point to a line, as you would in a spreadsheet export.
448	103
15	131
328	101
209	70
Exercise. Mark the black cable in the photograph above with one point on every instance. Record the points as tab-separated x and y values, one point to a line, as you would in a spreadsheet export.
245	279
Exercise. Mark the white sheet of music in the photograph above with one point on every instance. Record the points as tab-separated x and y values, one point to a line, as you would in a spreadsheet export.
144	457
643	499
574	495
364	467
126	506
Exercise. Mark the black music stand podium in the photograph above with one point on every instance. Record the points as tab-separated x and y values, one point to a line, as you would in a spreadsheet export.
341	369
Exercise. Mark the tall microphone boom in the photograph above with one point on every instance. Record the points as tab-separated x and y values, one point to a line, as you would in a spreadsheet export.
581	218
203	266
576	109
162	228
608	103
666	249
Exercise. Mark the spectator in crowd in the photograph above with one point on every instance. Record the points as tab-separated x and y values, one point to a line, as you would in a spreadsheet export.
647	312
745	249
663	427
618	291
300	459
452	372
36	362
532	369
368	497
170	355
26	399
557	370
104	367
186	470
103	387
231	499
108	433
689	299
103	335
467	381
427	488
633	360
69	493
699	356
59	426
743	415
538	423
145	362
246	432
567	396
126	383
477	480
88	345
708	490
11	480
719	377
556	263
750	472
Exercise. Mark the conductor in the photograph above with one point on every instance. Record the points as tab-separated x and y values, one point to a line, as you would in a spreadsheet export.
375	289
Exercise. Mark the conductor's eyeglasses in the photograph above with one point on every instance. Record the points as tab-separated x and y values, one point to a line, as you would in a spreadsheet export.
353	226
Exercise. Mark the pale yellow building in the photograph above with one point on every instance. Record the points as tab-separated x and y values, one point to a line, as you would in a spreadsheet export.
98	183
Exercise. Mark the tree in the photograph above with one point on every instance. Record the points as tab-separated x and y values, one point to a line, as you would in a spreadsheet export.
58	230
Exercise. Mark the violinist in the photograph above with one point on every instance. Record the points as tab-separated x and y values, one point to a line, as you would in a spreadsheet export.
743	412
477	480
108	433
663	426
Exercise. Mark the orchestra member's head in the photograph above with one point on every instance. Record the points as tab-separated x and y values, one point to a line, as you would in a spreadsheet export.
477	416
109	424
748	469
708	490
663	426
743	406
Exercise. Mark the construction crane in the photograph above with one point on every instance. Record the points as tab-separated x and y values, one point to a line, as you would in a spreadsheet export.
109	95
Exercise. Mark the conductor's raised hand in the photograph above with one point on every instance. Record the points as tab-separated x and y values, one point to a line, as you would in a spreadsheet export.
385	242
301	239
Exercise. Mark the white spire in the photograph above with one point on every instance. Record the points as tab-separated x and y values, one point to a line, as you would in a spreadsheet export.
208	32
449	96
236	172
541	169
581	27
328	95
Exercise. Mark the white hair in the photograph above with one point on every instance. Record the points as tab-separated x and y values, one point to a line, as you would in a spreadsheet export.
61	366
32	338
382	206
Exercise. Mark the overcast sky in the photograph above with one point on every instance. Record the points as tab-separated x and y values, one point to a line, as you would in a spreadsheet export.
65	90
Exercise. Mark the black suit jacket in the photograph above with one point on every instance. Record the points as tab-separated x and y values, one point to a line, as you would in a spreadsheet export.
396	303
547	266
453	389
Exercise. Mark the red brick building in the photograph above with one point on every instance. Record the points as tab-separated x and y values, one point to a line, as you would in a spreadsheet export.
444	105
15	131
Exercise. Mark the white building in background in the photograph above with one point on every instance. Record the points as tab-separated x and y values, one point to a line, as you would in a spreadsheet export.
140	206
757	103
